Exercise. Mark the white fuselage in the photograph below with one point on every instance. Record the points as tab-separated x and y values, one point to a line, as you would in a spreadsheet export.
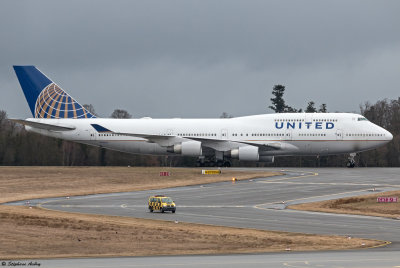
284	134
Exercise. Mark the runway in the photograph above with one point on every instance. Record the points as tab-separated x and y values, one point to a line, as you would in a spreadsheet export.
261	204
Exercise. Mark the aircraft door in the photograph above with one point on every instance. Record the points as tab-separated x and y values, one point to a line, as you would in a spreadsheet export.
288	135
224	133
339	134
92	134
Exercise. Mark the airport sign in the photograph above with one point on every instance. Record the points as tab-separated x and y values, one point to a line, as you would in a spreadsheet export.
387	199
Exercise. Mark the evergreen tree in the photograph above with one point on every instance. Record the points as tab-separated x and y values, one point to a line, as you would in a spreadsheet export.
278	103
310	107
322	108
289	109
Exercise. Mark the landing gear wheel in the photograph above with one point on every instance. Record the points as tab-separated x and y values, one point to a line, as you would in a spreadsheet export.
351	163
173	211
208	164
200	163
162	211
227	164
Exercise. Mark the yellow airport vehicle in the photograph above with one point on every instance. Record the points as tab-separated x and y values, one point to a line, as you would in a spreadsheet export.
162	203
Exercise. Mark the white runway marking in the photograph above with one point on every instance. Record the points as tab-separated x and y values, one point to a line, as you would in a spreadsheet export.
331	183
126	206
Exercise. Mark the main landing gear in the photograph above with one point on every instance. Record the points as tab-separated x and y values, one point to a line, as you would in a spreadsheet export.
351	163
202	162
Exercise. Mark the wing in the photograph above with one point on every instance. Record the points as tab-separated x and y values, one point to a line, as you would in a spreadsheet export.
162	140
216	144
225	145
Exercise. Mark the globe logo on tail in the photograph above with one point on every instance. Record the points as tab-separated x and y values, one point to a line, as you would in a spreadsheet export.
53	102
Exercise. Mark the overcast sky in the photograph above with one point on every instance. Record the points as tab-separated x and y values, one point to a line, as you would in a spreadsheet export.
201	58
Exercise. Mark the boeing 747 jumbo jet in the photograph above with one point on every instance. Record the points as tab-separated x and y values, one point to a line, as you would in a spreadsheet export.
212	141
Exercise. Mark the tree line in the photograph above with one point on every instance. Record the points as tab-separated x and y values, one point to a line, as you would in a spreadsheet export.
279	104
385	113
19	147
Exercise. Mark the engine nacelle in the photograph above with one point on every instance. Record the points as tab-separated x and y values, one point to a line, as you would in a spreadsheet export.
246	153
187	148
267	158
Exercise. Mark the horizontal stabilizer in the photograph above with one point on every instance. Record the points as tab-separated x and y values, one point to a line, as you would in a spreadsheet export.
43	125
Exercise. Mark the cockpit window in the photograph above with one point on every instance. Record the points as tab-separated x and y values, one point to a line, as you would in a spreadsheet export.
362	119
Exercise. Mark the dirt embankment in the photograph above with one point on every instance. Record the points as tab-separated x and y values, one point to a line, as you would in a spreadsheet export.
37	233
361	205
21	183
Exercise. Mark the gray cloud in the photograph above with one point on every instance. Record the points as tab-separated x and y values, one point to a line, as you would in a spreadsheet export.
200	58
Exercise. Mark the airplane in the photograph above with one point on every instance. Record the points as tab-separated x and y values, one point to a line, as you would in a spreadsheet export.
213	141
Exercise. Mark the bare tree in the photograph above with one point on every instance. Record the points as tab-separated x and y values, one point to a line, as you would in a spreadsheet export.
90	109
120	113
225	115
3	117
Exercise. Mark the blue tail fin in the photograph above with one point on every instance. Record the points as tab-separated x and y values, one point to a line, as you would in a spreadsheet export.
45	98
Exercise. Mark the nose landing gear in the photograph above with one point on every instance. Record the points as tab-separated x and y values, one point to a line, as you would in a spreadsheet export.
351	162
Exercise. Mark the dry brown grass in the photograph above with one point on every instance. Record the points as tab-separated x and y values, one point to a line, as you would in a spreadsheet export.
21	183
37	233
361	205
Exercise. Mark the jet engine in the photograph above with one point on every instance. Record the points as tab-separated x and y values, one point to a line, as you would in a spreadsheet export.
250	153
246	153
187	148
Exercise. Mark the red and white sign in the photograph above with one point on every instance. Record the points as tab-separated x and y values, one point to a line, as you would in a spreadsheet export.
392	199
164	173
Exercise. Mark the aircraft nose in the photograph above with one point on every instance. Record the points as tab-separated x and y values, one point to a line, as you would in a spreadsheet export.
389	135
